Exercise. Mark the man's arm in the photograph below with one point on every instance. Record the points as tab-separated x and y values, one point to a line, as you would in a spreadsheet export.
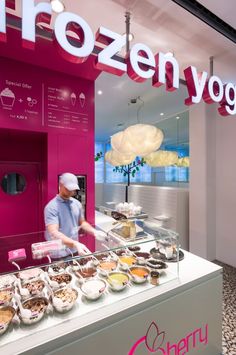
99	235
53	230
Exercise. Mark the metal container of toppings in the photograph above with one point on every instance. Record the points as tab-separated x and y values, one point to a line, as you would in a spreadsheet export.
86	272
92	289
57	268
7	281
126	261
30	274
107	265
117	280
139	274
157	265
6	296
64	299
37	306
60	280
32	288
6	315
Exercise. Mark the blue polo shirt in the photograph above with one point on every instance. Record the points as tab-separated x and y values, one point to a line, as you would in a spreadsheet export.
67	214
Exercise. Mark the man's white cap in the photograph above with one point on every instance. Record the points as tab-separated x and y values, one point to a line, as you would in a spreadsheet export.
69	181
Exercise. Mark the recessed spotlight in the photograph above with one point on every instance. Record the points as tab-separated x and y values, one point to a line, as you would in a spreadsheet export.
177	117
161	114
99	92
57	6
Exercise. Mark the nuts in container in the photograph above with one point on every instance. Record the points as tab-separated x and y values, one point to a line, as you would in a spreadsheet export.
61	278
6	296
64	299
36	305
34	287
66	294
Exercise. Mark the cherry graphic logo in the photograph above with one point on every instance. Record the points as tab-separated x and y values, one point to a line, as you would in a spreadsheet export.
154	339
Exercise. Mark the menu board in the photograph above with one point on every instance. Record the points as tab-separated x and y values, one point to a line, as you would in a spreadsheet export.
65	108
43	100
21	100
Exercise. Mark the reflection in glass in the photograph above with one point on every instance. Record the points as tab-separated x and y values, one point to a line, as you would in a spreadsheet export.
13	184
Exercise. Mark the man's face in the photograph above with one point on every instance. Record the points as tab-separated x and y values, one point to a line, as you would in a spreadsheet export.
65	193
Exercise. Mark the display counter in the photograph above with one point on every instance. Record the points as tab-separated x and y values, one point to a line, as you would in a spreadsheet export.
181	314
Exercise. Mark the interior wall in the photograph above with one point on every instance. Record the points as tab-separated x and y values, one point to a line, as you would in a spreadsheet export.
226	190
155	201
202	191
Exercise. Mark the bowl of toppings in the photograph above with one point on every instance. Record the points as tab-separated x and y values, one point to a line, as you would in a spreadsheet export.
121	252
7	281
84	260
142	257
134	248
60	280
107	265
139	274
92	289
57	268
117	280
30	274
64	299
6	315
157	265
6	296
33	310
86	272
34	287
126	261
102	256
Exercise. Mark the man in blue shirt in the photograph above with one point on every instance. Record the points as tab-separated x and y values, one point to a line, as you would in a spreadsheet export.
64	217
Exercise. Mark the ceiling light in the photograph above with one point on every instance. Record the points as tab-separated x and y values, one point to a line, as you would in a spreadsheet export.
161	158
99	92
57	6
130	36
161	114
139	139
169	54
177	117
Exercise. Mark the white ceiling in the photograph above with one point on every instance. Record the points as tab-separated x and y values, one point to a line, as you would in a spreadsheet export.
224	10
163	26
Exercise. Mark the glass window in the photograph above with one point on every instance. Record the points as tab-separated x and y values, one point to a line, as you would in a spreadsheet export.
13	184
99	164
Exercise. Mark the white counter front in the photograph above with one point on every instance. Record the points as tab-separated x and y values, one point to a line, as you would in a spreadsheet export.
176	317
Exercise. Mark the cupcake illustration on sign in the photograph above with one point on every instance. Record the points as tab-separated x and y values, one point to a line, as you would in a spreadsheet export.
73	98
82	99
7	97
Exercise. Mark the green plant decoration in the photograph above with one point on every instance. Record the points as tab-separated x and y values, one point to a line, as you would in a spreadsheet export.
130	169
98	156
127	170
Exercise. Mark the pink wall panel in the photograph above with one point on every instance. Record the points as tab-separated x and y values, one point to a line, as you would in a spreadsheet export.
49	118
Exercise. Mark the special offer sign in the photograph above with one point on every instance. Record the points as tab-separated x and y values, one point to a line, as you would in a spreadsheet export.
140	63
